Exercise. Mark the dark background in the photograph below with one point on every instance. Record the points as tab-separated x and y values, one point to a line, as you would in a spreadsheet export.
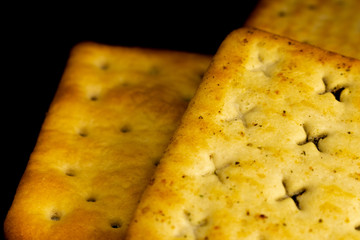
36	41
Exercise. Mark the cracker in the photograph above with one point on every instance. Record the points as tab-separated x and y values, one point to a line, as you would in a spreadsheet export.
330	24
269	148
107	127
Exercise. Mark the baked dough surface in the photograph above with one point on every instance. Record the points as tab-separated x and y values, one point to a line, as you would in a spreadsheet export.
269	148
107	127
333	25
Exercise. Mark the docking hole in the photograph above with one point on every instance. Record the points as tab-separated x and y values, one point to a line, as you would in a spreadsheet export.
337	93
83	133
125	129
314	139
91	199
104	66
115	225
94	98
70	173
55	216
294	196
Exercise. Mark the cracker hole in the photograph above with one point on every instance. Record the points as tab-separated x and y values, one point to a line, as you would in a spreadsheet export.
55	216
91	199
94	98
115	225
314	139
104	66
83	133
154	70
125	84
70	173
336	91
187	99
125	129
282	13
219	170
266	67
294	196
357	228
156	162
201	75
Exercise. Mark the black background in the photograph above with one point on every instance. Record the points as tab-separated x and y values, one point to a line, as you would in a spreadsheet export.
36	41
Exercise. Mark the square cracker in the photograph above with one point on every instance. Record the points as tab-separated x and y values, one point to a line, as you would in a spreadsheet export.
269	148
111	118
330	24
